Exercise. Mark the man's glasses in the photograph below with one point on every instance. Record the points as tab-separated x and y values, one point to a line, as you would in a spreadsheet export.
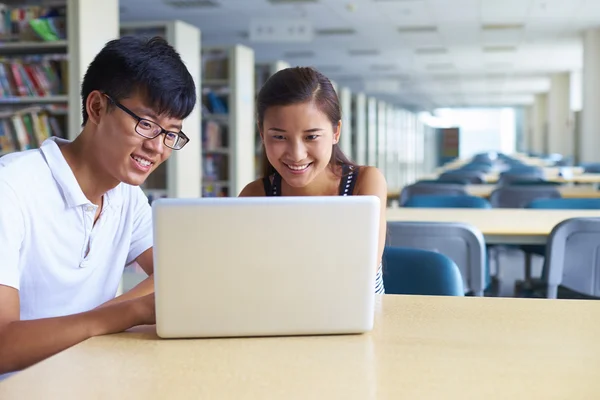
150	129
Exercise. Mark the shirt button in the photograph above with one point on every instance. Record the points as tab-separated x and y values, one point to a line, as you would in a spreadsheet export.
84	264
89	208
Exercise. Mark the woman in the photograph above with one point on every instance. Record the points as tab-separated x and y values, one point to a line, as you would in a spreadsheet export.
299	120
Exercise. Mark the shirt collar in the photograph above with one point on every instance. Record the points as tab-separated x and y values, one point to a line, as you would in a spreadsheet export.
64	177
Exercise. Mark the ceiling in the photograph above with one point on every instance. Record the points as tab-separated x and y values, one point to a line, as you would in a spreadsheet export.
420	54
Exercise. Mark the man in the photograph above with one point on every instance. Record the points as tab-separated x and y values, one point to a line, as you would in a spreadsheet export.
72	214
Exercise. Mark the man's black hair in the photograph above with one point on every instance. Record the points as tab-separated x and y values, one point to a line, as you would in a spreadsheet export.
150	67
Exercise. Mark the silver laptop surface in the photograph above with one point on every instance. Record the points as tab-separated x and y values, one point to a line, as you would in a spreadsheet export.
262	266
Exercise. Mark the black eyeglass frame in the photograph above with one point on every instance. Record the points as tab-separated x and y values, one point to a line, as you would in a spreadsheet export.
180	135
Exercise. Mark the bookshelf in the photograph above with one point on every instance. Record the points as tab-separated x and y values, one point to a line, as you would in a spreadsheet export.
359	128
345	98
264	70
228	98
180	175
41	68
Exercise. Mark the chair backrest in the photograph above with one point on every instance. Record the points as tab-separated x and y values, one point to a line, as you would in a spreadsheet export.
462	243
524	169
470	176
565	204
446	182
592	169
534	182
476	166
573	257
430	188
511	179
521	196
440	201
420	272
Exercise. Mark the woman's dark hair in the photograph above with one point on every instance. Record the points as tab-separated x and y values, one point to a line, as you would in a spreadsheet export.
147	66
300	85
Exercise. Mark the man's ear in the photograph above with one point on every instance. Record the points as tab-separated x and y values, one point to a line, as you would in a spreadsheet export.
96	105
337	132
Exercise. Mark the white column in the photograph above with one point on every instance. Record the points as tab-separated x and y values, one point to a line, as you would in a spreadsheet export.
560	136
90	25
360	128
372	131
589	139
346	135
527	124
184	168
540	124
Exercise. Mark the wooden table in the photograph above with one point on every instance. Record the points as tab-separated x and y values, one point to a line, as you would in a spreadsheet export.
420	348
567	192
584	178
498	225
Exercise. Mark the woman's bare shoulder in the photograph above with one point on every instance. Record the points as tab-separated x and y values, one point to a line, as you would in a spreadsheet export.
253	189
370	181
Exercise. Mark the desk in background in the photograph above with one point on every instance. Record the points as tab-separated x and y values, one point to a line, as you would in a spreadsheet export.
498	225
567	192
484	190
421	348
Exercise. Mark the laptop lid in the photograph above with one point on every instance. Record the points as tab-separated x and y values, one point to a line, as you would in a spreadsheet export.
259	266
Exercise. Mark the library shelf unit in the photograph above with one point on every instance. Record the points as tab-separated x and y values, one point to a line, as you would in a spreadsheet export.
228	98
40	79
180	175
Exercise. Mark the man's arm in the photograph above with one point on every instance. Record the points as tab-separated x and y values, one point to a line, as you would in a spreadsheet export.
24	343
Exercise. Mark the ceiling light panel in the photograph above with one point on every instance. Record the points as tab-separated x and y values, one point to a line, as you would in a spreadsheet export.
298	54
189	4
292	1
363	52
505	11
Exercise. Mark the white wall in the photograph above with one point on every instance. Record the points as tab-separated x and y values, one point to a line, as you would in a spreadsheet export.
482	130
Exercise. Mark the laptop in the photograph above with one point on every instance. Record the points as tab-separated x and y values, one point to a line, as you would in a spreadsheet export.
265	266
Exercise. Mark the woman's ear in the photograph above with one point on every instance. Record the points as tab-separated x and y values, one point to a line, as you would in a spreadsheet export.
336	132
260	131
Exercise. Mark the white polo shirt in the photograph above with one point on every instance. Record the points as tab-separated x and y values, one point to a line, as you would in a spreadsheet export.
47	226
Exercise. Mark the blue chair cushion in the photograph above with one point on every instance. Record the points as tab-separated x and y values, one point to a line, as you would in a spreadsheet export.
420	272
441	201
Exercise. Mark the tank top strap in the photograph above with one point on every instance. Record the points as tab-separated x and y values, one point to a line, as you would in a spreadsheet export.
272	189
348	181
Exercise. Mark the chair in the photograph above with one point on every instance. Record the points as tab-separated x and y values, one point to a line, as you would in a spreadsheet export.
520	196
446	182
477	166
420	272
592	168
462	243
430	189
565	204
470	176
535	182
573	257
510	179
447	202
552	204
